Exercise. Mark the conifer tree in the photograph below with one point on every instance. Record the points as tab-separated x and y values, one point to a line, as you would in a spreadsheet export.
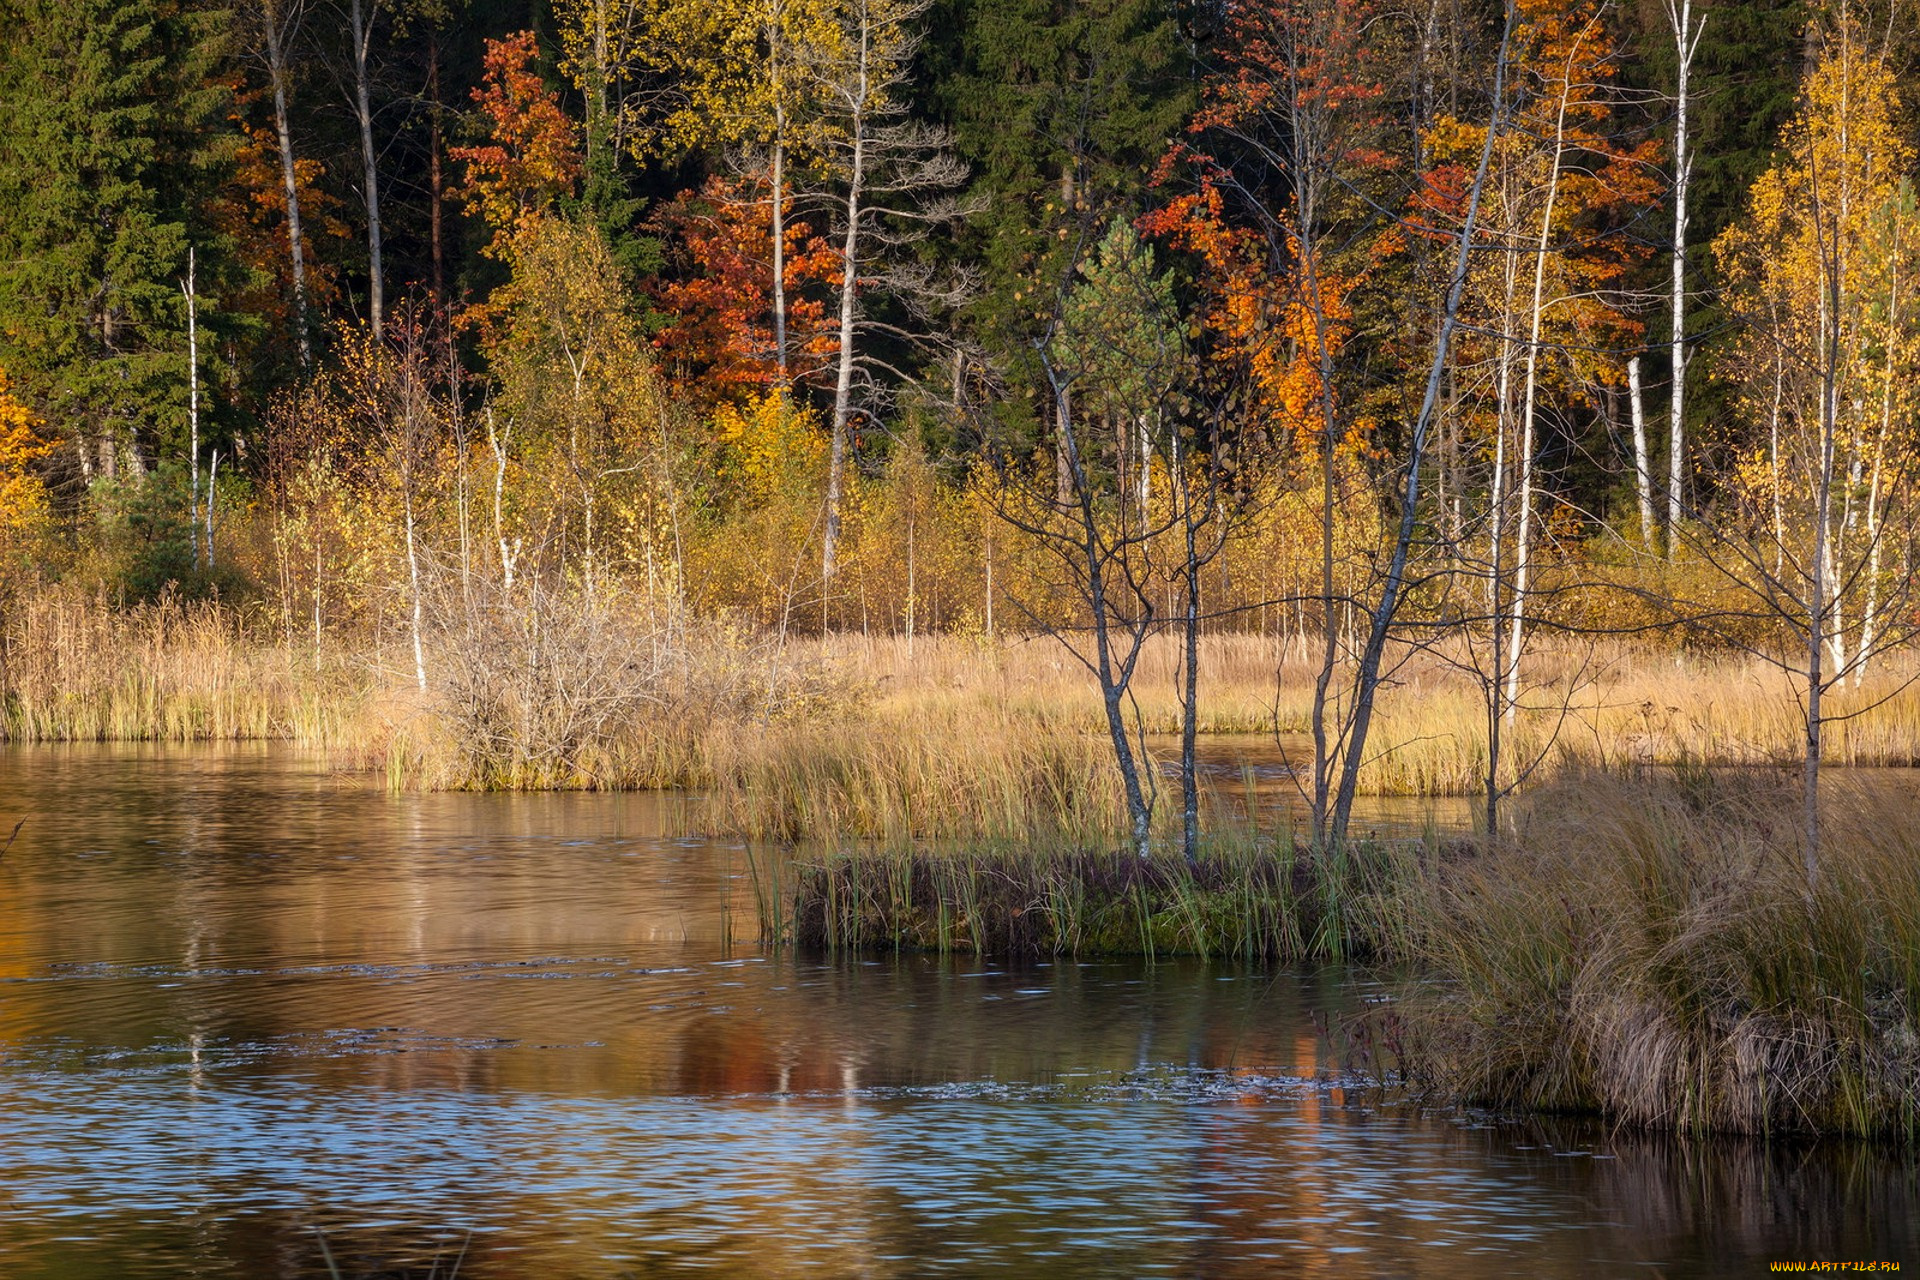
110	138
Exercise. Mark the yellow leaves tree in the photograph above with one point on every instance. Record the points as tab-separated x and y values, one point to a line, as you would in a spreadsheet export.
23	496
579	415
770	445
1819	506
1822	272
731	79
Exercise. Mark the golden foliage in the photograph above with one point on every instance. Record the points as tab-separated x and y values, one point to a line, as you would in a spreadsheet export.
23	496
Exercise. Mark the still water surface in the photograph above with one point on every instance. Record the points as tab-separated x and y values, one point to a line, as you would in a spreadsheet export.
253	1015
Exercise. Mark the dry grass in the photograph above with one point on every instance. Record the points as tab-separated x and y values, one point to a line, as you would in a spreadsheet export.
1645	947
78	669
1583	707
947	736
929	769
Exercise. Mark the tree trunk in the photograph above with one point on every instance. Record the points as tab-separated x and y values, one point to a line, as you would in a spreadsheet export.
1686	38
1642	471
509	552
436	183
775	69
361	15
1190	673
843	382
1869	616
193	412
1367	676
1773	464
1523	547
1817	603
277	34
213	473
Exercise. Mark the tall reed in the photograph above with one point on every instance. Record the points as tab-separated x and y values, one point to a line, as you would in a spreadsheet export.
79	668
1645	945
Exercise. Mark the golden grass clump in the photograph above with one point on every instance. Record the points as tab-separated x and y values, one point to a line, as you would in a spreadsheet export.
952	767
1645	946
77	668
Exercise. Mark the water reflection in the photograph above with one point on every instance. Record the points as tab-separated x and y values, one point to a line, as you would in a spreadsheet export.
247	1008
1241	773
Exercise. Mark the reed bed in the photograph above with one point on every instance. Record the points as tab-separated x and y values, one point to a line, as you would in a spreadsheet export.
78	668
851	735
901	771
1583	706
1645	946
1253	899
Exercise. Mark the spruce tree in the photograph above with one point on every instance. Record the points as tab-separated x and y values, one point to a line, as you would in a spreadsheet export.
111	144
1061	108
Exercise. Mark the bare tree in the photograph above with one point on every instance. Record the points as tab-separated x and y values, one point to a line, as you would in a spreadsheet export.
1384	610
275	26
893	178
1686	40
1100	546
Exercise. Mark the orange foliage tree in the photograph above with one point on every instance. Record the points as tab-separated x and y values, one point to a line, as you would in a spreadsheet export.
23	496
720	343
531	159
1284	126
1282	123
251	214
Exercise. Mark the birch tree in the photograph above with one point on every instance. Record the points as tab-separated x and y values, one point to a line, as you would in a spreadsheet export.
1819	504
1687	30
890	186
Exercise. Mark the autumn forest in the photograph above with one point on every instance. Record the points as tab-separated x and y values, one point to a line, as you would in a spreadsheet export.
930	433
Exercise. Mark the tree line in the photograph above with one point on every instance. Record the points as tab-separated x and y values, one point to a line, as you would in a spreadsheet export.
1395	325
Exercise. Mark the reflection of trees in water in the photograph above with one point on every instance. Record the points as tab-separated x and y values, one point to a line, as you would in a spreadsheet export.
1722	1198
314	935
1674	1200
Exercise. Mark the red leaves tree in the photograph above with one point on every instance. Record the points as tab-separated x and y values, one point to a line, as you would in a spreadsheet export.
531	160
720	344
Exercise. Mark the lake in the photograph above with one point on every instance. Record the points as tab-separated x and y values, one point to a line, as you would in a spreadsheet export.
257	1019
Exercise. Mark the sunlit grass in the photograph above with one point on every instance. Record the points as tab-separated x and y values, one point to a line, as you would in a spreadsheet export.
79	669
847	735
1645	946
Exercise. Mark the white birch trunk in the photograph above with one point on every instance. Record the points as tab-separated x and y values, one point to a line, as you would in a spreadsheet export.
849	312
1523	542
1642	469
193	415
1686	38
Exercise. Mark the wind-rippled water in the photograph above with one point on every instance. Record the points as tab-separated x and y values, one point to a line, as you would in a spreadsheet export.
257	1020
